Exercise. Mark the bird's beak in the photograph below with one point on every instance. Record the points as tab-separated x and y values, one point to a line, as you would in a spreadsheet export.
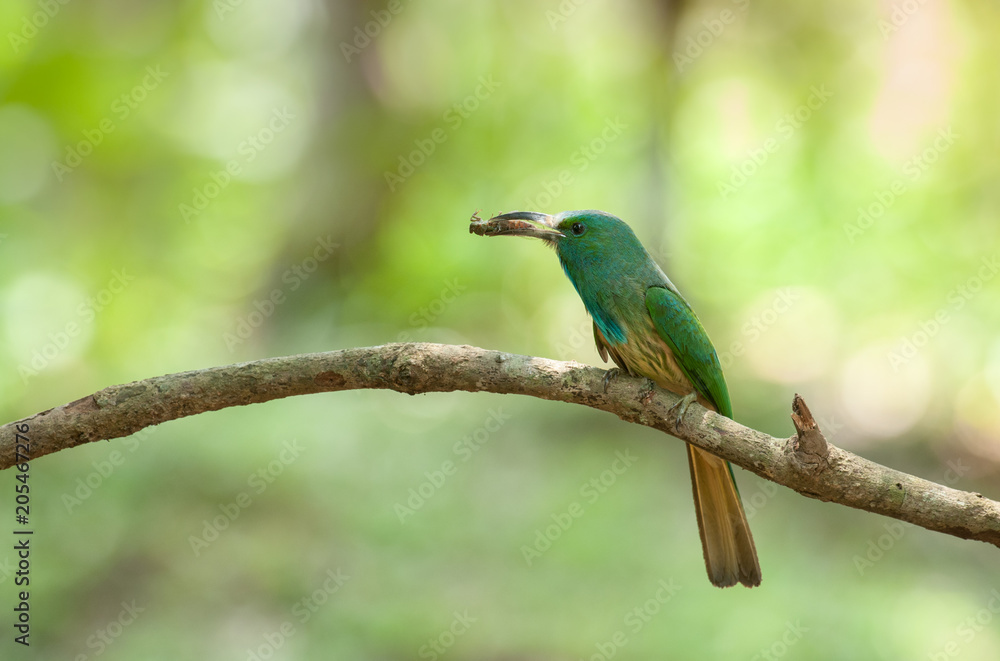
518	223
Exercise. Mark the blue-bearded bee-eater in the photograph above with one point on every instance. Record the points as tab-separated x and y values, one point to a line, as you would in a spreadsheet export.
647	328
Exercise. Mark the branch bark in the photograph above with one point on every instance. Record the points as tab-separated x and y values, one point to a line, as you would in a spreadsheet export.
805	462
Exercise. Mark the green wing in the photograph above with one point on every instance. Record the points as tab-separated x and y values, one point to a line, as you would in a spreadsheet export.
677	325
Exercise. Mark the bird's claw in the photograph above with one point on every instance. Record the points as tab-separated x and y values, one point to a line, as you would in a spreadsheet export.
678	410
609	376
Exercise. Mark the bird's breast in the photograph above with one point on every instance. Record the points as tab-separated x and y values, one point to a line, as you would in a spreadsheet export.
646	354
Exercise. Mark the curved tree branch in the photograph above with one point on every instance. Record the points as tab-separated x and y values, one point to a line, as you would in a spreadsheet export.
805	462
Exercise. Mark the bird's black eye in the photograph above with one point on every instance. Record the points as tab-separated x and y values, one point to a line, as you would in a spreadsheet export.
578	229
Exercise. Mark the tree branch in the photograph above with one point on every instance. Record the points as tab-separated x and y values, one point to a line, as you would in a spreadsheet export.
806	462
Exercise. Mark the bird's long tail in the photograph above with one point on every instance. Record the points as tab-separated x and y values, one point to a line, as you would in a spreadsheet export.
730	555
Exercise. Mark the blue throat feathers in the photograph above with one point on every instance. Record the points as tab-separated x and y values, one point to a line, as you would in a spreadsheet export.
609	327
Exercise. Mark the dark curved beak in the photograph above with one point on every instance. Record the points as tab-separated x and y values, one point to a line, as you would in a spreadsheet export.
518	223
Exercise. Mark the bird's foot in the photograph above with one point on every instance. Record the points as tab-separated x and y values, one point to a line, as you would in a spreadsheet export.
678	410
647	396
610	376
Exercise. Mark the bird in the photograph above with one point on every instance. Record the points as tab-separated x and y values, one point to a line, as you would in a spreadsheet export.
649	330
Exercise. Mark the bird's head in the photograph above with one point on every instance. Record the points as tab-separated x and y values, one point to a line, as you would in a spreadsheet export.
579	237
598	252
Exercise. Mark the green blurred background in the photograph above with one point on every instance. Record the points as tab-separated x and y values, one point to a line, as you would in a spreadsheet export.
818	179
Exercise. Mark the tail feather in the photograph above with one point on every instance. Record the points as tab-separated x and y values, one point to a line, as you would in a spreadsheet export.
730	554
